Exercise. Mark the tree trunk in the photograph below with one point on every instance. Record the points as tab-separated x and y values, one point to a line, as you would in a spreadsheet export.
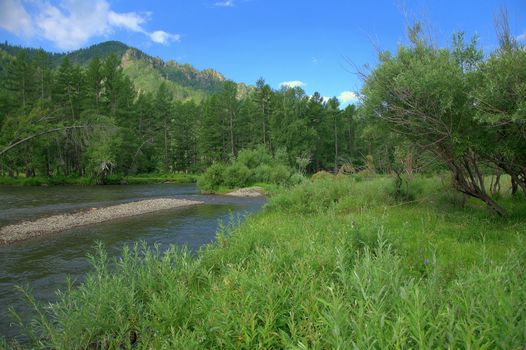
495	185
514	187
494	206
165	148
469	180
335	147
232	149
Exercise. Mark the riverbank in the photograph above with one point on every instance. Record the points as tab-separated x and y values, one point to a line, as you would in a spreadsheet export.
86	180
334	263
254	191
56	223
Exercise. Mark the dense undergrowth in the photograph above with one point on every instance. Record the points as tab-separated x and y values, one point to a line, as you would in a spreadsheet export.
333	263
250	167
88	180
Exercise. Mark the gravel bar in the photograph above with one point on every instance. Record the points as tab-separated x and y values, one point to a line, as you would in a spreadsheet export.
29	229
247	192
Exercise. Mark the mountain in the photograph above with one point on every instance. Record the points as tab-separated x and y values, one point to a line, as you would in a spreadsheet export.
147	72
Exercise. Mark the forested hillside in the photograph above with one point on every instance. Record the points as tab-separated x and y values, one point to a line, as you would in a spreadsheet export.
120	115
146	72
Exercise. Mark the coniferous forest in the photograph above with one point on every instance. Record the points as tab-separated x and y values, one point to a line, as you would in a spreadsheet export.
74	118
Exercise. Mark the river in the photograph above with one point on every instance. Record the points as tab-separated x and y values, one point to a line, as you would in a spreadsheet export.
43	264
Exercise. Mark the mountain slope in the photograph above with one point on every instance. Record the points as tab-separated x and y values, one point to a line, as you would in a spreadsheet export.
146	72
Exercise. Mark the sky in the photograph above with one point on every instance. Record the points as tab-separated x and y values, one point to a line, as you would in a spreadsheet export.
318	45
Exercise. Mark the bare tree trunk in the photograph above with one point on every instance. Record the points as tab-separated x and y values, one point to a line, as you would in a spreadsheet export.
232	149
469	180
495	185
264	127
409	164
335	147
514	187
165	147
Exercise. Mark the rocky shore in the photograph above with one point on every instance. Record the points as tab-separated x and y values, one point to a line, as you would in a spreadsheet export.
29	229
248	192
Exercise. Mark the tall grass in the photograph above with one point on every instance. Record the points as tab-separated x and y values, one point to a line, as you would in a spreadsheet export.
336	263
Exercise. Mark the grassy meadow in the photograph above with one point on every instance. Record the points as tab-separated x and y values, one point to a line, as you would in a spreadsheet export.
335	263
91	180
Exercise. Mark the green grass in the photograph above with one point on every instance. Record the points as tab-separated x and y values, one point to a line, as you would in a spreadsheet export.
160	178
86	180
269	189
336	263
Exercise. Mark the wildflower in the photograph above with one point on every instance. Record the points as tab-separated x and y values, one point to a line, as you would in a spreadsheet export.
426	261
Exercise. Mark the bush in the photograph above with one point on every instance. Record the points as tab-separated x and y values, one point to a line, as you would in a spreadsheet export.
252	158
212	178
402	190
237	175
250	167
297	178
263	173
322	175
280	174
311	197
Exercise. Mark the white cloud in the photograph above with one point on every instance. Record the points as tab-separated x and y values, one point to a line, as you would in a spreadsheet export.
161	37
292	84
130	20
72	23
15	19
226	3
348	97
522	37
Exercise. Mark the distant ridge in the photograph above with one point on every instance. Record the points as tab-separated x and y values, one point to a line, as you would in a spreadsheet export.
147	72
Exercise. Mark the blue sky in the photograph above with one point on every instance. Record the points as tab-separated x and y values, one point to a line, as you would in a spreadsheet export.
315	44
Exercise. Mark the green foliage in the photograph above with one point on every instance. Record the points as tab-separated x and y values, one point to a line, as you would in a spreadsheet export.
212	178
403	189
263	173
446	101
253	158
140	114
322	175
236	175
139	179
329	276
281	174
250	167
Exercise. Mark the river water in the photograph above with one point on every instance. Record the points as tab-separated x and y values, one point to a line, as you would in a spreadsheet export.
43	264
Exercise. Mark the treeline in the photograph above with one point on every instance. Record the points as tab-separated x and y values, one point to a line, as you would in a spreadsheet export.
90	120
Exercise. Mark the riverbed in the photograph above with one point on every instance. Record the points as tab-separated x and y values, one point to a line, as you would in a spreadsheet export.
43	264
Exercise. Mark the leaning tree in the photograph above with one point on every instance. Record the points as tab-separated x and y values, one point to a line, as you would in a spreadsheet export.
422	93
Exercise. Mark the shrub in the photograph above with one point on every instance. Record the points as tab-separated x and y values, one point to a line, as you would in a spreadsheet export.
311	197
252	158
250	167
212	178
280	174
263	173
296	179
237	175
402	190
321	175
